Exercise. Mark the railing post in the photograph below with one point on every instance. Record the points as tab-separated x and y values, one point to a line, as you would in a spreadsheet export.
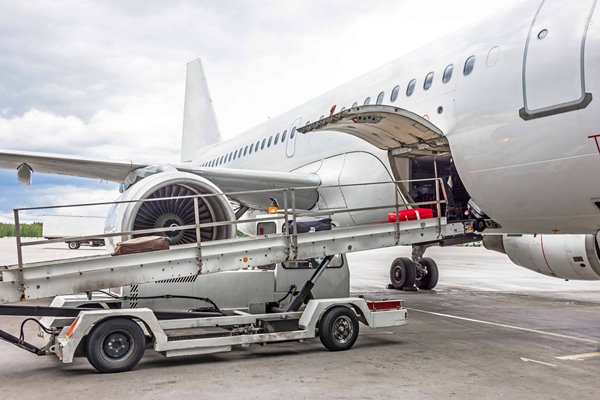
438	207
19	253
437	203
294	254
285	229
397	219
198	236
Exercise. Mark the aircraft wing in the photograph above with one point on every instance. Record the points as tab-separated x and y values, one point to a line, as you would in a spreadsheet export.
115	171
227	179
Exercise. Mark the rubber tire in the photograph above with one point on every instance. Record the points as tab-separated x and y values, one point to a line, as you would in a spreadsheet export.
430	280
326	328
407	273
94	343
74	245
479	225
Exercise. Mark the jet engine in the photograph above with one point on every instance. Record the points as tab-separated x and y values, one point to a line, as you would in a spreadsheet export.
562	256
133	215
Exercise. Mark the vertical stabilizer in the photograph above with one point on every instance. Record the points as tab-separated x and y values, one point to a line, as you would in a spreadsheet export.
200	127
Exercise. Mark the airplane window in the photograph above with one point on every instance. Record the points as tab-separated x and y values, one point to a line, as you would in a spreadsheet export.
221	160
394	94
380	97
469	65
355	104
284	135
229	157
293	133
270	140
343	108
321	117
262	146
251	147
367	101
235	154
308	122
448	73
245	150
276	139
256	146
428	81
410	89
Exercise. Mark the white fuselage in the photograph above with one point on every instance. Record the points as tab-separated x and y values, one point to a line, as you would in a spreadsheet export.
536	175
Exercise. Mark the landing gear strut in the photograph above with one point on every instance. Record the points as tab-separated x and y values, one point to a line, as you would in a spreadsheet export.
421	271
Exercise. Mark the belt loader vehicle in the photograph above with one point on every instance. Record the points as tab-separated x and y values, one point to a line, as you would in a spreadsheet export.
210	296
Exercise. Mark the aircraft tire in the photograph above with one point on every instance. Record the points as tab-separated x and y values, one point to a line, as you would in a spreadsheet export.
402	273
430	279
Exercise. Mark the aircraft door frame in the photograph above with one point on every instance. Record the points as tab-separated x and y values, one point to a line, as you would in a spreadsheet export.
553	63
290	146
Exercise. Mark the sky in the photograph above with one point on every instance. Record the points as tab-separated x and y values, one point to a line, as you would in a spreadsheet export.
106	78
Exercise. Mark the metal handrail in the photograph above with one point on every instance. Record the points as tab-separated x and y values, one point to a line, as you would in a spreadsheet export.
290	193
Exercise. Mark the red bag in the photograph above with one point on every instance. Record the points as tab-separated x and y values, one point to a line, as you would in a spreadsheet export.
411	215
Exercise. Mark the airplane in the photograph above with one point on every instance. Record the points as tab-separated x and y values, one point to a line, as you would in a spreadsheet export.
503	109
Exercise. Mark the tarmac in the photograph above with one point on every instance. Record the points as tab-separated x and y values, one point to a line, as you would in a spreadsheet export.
490	330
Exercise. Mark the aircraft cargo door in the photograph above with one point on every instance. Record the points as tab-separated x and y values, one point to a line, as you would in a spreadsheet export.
553	63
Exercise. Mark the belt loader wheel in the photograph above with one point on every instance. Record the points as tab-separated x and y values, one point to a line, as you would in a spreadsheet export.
338	329
429	279
402	273
74	245
115	345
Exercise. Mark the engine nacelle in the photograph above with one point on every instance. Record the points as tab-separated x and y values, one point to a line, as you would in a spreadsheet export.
124	217
562	256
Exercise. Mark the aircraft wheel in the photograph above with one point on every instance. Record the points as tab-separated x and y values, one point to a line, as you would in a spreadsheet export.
338	329
402	273
479	225
115	345
430	279
74	245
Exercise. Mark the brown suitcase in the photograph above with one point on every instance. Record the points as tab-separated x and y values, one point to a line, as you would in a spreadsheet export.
141	245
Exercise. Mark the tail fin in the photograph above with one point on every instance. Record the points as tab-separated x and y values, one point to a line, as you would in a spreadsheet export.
200	127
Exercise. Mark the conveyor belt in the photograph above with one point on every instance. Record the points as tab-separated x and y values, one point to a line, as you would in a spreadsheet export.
61	277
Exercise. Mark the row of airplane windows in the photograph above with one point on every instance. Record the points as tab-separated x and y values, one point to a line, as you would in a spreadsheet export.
410	89
280	138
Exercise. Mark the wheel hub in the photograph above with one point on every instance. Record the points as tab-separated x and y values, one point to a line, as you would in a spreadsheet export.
343	329
116	345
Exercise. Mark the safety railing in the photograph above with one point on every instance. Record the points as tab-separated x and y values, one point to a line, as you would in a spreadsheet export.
289	213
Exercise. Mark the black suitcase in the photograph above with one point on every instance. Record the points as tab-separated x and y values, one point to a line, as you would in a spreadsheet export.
310	224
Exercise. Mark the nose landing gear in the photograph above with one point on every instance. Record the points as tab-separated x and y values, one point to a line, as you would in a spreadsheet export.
419	272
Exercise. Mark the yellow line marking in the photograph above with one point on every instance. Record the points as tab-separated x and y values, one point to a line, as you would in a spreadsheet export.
580	357
558	335
537	362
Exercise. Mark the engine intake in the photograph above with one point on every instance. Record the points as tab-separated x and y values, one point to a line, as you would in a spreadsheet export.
172	213
574	257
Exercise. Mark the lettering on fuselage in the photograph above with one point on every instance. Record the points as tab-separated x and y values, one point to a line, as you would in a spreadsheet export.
597	140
